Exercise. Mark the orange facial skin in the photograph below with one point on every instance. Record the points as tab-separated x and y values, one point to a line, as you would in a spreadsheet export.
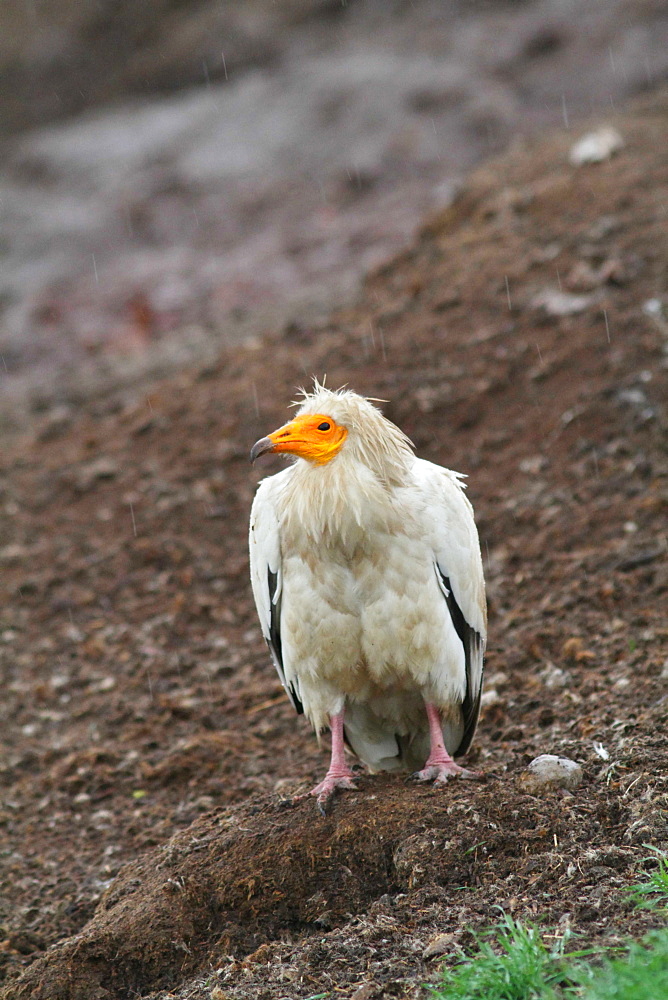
313	436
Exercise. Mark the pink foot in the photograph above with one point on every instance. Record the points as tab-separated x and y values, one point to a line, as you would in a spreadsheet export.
439	771
339	774
440	766
333	781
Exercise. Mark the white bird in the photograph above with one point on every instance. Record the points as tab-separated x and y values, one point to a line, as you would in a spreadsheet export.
368	580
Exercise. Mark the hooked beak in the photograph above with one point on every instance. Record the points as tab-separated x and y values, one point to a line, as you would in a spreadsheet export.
313	436
261	447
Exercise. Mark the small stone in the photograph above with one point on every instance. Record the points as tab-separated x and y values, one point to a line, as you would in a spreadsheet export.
582	277
549	772
554	677
13	553
365	992
59	420
558	303
533	465
106	684
91	472
653	307
596	146
496	680
440	945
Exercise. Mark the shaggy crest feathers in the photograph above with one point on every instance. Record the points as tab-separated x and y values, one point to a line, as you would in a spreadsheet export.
352	493
372	439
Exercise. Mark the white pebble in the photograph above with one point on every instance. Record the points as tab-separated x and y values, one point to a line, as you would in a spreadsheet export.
596	146
548	772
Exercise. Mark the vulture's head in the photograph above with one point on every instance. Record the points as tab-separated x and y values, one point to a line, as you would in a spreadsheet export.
341	427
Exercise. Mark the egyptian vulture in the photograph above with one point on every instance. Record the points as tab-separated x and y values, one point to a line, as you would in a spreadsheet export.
368	580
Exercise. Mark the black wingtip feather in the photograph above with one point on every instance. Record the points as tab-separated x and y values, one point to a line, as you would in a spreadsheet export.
471	641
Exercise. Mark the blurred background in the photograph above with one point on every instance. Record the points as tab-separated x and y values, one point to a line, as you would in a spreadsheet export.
176	174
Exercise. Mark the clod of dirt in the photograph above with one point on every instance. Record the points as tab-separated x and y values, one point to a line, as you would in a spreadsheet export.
548	772
440	945
91	472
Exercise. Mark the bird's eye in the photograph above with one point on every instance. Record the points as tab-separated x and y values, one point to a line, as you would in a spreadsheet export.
324	426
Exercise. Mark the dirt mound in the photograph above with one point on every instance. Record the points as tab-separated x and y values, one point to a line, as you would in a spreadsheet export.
522	340
236	880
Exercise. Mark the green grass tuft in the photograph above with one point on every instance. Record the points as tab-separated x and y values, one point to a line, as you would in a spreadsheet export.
512	961
653	892
518	967
641	974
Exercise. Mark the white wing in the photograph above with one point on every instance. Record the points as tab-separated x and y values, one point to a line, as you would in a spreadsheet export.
266	571
451	529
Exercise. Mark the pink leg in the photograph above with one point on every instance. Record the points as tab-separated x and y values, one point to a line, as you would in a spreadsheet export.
339	774
439	766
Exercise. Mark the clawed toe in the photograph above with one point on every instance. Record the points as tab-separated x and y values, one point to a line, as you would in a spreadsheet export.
441	773
326	790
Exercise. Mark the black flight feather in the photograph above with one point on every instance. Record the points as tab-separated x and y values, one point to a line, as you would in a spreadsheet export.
471	641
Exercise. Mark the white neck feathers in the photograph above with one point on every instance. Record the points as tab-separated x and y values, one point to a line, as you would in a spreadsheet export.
336	502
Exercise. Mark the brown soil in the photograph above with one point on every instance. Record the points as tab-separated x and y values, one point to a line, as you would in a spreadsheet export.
150	845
